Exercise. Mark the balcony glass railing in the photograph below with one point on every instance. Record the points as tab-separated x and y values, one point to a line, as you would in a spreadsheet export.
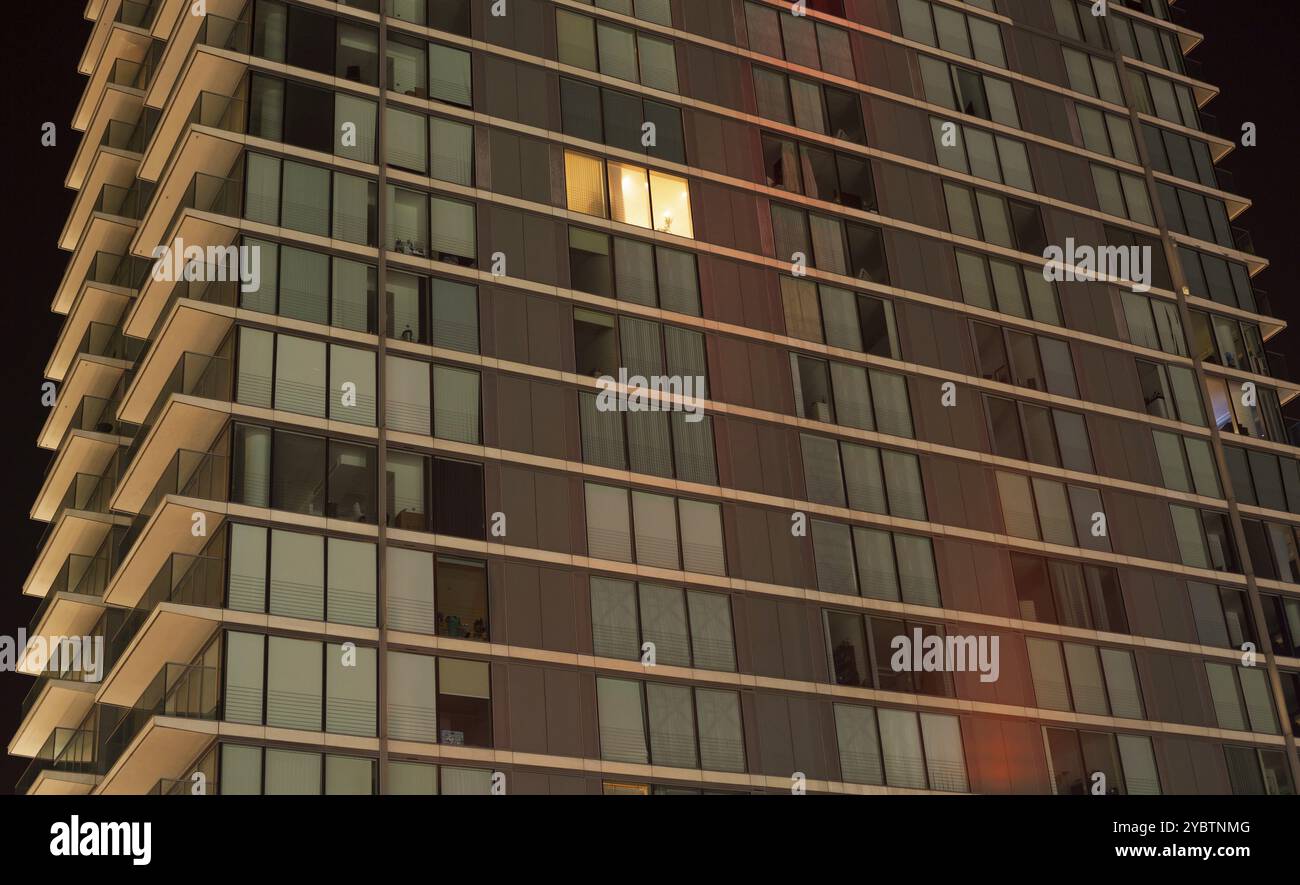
137	13
203	475
71	674
87	492
208	193
185	691
184	579
126	202
112	269
195	374
225	33
125	73
97	414
122	135
66	749
219	112
107	340
182	786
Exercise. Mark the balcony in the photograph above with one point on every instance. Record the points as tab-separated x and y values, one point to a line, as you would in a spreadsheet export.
194	325
116	45
72	532
208	208
188	413
110	271
173	720
64	765
80	453
55	701
226	29
71	612
117	123
202	142
86	399
173	620
149	312
111	172
97	305
193	483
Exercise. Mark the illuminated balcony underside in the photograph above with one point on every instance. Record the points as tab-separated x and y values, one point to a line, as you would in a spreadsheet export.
69	614
207	70
102	13
161	750
185	423
85	452
62	703
90	376
165	18
196	228
172	632
62	783
76	531
168	531
182	31
192	327
118	43
105	233
110	166
117	103
97	303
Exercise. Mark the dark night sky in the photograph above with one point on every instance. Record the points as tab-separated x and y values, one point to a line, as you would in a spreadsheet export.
1250	54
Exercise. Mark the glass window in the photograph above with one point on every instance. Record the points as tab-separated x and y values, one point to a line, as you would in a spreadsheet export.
297	575
462	595
609	529
701	528
352	569
409	593
352	376
859	745
244	658
622	721
291	773
713	642
412	697
293	684
614	624
722	740
300	376
351	686
456	404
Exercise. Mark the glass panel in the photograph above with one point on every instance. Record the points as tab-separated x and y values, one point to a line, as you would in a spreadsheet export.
293	684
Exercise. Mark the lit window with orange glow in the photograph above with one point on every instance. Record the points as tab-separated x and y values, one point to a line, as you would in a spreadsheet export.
671	197
585	184
629	194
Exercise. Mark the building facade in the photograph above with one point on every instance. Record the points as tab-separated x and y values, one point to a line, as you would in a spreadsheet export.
558	396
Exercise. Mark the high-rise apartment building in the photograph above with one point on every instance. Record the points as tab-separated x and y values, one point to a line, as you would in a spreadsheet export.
558	396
